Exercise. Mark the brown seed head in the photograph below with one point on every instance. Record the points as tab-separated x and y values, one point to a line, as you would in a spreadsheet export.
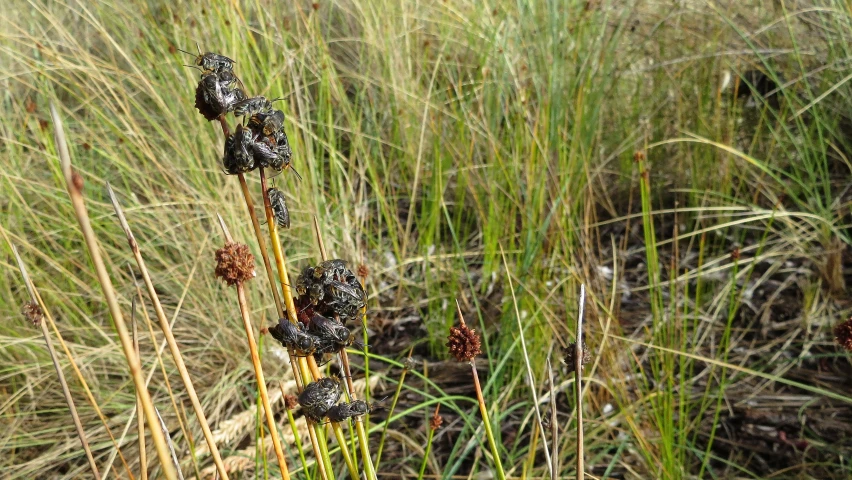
291	402
436	420
735	253
202	106
843	335
234	263
32	312
363	271
464	343
568	353
77	181
638	156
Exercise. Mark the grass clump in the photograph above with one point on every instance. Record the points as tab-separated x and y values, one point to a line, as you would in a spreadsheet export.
428	136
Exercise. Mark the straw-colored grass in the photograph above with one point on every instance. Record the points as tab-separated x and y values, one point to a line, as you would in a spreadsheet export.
428	135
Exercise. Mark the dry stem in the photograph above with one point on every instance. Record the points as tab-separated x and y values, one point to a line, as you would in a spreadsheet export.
65	390
578	371
258	369
483	409
170	339
140	422
74	185
347	372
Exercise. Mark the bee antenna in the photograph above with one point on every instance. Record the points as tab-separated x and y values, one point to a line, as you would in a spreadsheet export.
193	66
184	51
297	173
198	47
276	99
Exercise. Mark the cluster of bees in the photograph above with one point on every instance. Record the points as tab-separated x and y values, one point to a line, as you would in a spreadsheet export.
258	142
333	296
329	294
319	400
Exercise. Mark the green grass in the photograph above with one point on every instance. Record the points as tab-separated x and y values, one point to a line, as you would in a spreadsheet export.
428	136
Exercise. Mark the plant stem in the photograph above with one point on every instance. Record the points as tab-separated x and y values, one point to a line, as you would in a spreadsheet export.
428	448
81	434
258	370
390	412
347	373
169	337
140	422
296	435
578	387
483	409
74	184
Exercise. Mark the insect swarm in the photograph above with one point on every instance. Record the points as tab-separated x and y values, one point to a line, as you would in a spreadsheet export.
262	144
333	290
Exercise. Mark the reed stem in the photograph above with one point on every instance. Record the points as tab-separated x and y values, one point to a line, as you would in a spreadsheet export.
140	422
347	373
170	338
74	185
81	434
258	369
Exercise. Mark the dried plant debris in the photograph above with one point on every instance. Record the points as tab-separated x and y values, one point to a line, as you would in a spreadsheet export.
333	290
436	421
569	355
464	343
234	263
291	402
843	335
32	312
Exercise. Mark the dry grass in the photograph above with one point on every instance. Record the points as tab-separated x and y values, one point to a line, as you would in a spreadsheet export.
428	135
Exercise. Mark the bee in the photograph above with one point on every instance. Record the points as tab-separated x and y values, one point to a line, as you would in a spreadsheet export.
239	152
216	94
269	122
328	269
279	207
272	155
318	397
332	335
292	336
355	408
253	106
212	62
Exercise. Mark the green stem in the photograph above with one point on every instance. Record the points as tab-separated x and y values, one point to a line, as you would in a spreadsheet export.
486	420
426	454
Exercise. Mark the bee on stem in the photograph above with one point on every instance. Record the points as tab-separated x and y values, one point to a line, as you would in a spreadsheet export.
292	336
318	397
211	62
355	408
332	335
217	94
279	207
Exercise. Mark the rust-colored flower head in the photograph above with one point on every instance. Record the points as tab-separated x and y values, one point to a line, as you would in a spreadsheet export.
32	312
568	353
464	343
363	271
234	263
843	334
203	106
436	420
291	402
